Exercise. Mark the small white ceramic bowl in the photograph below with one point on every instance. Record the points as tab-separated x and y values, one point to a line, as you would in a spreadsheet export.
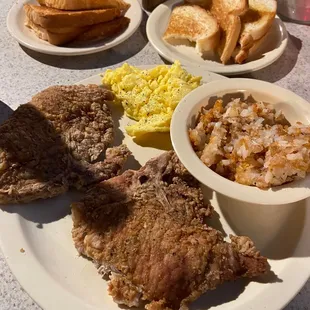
294	109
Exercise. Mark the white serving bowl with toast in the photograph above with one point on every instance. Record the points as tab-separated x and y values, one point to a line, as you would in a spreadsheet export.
53	31
173	38
185	116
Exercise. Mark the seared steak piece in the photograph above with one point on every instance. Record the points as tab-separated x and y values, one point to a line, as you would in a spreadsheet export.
49	144
147	228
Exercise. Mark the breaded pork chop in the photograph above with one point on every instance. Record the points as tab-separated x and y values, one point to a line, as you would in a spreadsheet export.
80	115
48	145
147	228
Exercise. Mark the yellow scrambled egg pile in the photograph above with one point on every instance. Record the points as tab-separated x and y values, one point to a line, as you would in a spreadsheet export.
150	96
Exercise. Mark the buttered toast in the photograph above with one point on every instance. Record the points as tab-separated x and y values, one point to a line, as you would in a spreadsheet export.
55	38
60	27
194	24
259	18
256	22
227	14
104	30
75	5
49	17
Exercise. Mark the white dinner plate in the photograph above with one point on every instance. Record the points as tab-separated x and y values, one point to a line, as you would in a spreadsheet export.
26	37
51	271
271	49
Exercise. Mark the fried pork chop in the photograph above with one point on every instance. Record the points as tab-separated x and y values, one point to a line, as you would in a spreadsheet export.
49	144
147	228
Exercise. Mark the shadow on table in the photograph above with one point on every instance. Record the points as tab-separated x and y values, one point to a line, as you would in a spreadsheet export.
5	111
165	61
110	57
283	66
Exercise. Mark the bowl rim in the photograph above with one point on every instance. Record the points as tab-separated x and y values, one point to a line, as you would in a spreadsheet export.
284	194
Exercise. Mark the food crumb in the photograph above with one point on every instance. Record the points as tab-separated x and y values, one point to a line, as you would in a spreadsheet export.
22	250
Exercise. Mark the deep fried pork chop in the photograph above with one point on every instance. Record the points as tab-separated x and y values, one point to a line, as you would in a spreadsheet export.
146	227
48	145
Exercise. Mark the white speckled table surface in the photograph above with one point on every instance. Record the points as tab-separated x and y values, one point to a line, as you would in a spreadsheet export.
25	72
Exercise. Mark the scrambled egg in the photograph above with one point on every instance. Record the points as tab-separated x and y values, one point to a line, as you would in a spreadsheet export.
150	96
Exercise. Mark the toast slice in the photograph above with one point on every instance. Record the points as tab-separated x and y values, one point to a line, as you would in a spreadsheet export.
230	23
104	30
52	37
53	18
243	47
65	30
88	33
191	23
256	22
73	5
240	55
56	30
230	28
257	44
259	18
227	13
234	7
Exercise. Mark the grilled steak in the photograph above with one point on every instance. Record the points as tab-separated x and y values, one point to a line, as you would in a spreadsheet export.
147	229
49	144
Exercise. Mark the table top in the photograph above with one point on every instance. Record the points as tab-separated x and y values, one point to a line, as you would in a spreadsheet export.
25	72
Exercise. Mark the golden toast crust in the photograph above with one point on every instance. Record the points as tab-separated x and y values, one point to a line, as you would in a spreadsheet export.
73	5
52	18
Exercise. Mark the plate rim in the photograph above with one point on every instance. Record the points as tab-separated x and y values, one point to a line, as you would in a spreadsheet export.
226	70
67	51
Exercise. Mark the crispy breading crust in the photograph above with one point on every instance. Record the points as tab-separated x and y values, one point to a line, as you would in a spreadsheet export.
48	145
148	226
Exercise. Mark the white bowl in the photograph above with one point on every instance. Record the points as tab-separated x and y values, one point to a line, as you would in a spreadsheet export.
293	107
